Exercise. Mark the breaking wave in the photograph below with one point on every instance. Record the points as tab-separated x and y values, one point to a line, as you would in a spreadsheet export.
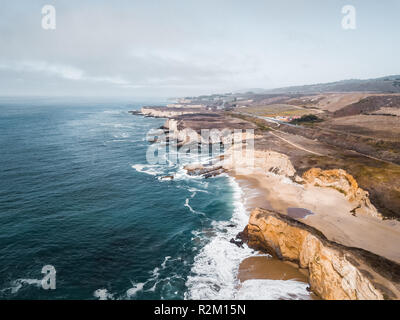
257	289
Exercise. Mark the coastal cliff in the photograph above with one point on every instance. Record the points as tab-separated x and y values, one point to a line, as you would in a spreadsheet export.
336	272
178	129
263	160
343	262
161	112
345	183
268	161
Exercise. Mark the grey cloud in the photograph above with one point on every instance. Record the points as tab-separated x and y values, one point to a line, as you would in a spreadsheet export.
187	47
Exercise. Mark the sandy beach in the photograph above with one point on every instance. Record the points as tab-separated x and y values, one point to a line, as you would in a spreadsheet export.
331	212
265	267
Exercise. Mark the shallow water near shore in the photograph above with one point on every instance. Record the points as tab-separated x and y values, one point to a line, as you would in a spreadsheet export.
77	193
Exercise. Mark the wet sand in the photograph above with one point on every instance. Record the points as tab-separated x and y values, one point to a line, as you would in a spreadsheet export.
264	267
253	194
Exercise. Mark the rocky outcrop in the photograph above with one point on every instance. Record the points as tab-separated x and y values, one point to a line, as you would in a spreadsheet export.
336	272
204	171
274	162
161	112
264	161
178	130
345	183
171	125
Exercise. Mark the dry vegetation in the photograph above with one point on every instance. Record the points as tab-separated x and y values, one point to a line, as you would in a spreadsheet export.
275	110
361	136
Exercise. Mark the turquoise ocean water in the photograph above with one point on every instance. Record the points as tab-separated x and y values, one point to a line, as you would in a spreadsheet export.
77	193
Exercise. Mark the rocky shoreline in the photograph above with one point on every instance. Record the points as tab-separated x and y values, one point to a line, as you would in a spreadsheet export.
337	268
336	272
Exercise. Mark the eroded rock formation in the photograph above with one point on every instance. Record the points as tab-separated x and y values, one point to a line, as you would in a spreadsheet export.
262	160
204	171
346	184
336	272
161	112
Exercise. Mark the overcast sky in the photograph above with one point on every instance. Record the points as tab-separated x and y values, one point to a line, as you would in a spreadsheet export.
173	48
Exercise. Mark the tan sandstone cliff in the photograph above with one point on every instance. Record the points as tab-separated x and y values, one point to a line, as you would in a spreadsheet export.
226	136
336	272
346	184
265	161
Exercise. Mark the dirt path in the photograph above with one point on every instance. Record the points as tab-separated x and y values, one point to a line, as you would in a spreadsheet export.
313	152
295	145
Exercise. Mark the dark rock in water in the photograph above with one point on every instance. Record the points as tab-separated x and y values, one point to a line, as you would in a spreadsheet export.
206	172
135	112
214	173
167	178
238	243
195	172
164	128
243	235
180	144
231	225
216	287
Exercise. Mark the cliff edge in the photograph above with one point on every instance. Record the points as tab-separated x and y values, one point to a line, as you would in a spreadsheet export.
345	183
336	272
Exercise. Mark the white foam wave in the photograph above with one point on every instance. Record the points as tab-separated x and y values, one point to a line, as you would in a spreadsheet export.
187	205
121	135
16	285
154	277
135	289
148	169
181	174
165	261
113	112
194	190
103	294
257	289
215	268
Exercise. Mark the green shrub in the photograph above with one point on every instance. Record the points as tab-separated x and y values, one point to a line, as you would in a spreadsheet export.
306	119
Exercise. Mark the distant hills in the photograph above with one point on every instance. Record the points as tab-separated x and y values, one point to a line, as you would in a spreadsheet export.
388	84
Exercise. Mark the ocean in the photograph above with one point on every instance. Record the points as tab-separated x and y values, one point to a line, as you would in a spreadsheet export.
77	193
